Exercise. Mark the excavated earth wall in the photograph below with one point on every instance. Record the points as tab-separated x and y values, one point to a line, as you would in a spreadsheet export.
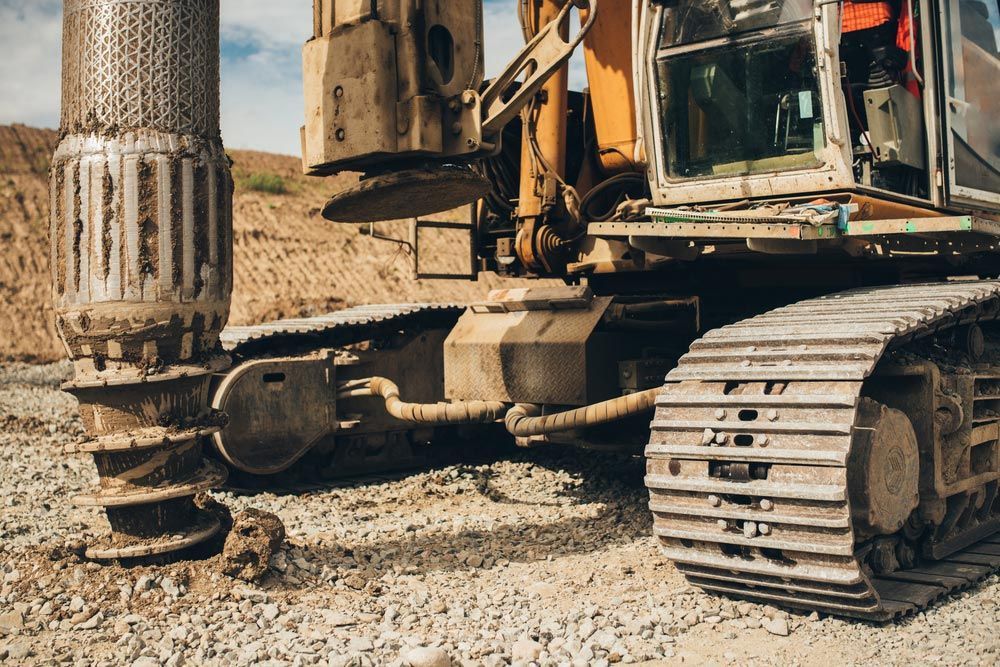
288	261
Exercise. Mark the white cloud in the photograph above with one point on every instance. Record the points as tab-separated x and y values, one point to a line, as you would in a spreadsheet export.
31	34
261	77
261	73
273	24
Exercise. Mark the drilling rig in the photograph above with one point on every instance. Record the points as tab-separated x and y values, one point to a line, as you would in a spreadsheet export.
776	223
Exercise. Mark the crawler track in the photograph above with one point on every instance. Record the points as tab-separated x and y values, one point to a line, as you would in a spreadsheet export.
340	328
781	391
362	451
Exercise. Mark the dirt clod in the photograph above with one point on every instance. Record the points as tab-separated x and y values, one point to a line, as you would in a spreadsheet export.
254	538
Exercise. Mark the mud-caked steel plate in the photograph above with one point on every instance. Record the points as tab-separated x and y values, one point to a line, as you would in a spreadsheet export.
156	436
205	527
211	474
409	193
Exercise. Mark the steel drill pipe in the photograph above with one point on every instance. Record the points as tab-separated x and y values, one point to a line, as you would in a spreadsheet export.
141	254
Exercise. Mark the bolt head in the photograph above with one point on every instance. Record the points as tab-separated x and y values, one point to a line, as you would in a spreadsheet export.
766	504
714	500
720	414
772	415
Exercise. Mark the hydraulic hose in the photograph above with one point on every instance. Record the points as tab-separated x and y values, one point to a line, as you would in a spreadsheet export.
459	412
523	421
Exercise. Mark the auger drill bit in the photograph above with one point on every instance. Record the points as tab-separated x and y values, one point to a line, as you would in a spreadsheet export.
141	250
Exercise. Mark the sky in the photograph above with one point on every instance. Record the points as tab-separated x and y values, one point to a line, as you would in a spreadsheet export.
261	65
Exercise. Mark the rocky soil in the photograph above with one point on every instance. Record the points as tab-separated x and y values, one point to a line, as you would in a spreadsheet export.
541	558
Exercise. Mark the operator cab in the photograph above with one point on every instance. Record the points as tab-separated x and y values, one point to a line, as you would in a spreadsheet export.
758	99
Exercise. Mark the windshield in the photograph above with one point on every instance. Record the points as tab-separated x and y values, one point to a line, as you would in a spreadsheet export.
974	104
687	21
748	105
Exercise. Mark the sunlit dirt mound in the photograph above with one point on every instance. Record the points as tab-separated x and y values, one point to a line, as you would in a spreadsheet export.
288	261
26	324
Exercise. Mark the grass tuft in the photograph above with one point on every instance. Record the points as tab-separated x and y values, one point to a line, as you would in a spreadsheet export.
264	182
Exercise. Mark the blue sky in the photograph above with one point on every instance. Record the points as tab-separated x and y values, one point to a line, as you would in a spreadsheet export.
261	77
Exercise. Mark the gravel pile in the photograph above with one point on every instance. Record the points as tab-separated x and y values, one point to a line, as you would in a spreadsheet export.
544	558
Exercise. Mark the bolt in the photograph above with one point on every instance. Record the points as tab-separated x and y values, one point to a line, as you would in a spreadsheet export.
714	500
472	143
468	98
766	504
764	529
772	415
707	436
760	440
749	529
341	135
721	438
722	524
454	105
720	414
456	128
338	91
745	363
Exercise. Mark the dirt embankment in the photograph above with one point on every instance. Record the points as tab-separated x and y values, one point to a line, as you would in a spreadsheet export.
26	323
288	260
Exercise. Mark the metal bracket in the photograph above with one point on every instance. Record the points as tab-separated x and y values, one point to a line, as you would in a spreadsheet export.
539	60
411	245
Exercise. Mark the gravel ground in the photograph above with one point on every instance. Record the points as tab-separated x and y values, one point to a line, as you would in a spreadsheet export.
543	558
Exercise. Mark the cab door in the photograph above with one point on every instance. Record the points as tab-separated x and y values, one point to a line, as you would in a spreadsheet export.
970	49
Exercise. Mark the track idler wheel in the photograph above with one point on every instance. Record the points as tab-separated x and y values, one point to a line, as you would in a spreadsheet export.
883	470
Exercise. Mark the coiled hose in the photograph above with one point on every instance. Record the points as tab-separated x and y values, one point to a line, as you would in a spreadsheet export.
459	412
521	420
